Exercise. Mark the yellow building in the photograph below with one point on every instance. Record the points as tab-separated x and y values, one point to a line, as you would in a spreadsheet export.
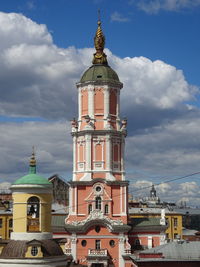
31	242
174	219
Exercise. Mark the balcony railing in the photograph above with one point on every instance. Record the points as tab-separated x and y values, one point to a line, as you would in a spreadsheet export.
97	252
127	251
68	251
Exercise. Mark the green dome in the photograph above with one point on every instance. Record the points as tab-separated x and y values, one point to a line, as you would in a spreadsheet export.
32	178
99	73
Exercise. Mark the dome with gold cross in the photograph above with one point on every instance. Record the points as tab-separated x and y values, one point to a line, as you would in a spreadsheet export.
100	70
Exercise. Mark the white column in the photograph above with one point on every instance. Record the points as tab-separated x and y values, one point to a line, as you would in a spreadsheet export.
122	157
70	200
149	241
75	199
73	246
125	201
79	104
106	103
88	152
74	157
108	153
118	109
121	251
91	102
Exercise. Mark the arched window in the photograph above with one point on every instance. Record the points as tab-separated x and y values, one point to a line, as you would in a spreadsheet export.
89	208
106	209
33	212
33	207
98	203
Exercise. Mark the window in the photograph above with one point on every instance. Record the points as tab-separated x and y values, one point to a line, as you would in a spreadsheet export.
10	223
112	243
89	208
97	228
97	244
98	189
34	251
83	243
33	207
1	223
106	209
98	203
175	222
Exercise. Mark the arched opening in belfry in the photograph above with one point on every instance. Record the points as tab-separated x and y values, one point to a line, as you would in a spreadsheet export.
33	214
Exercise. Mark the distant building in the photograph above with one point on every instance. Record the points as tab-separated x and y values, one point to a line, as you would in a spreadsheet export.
60	190
173	219
173	254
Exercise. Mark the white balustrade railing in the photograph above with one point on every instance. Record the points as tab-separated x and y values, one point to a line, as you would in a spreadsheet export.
97	252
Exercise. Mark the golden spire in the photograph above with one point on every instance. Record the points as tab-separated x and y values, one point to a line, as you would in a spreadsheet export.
32	159
99	42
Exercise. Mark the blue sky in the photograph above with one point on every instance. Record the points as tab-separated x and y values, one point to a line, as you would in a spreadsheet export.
153	45
170	35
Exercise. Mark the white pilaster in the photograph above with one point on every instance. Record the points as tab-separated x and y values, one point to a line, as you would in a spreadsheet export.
121	250
122	157
88	152
73	246
118	110
91	101
106	104
74	157
75	200
108	153
149	242
79	104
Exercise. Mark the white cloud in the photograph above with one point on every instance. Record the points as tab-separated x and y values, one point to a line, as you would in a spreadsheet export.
52	143
116	16
171	192
154	6
36	75
38	80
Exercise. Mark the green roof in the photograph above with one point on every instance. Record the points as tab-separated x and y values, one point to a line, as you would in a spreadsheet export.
142	222
99	73
32	178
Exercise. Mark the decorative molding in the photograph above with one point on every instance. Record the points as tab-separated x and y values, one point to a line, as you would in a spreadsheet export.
97	215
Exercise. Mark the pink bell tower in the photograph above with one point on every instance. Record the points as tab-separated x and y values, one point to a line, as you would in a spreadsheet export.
97	222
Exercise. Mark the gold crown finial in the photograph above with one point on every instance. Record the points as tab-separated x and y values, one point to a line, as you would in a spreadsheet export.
32	159
99	43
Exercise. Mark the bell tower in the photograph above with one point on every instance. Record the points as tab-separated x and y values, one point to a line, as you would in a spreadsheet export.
97	221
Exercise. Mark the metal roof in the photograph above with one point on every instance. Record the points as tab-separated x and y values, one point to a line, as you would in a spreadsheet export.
179	250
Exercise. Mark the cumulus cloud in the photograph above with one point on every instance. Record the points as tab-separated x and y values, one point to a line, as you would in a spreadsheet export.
184	192
154	6
38	80
52	143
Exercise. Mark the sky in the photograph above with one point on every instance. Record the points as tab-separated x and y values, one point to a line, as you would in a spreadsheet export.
153	45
